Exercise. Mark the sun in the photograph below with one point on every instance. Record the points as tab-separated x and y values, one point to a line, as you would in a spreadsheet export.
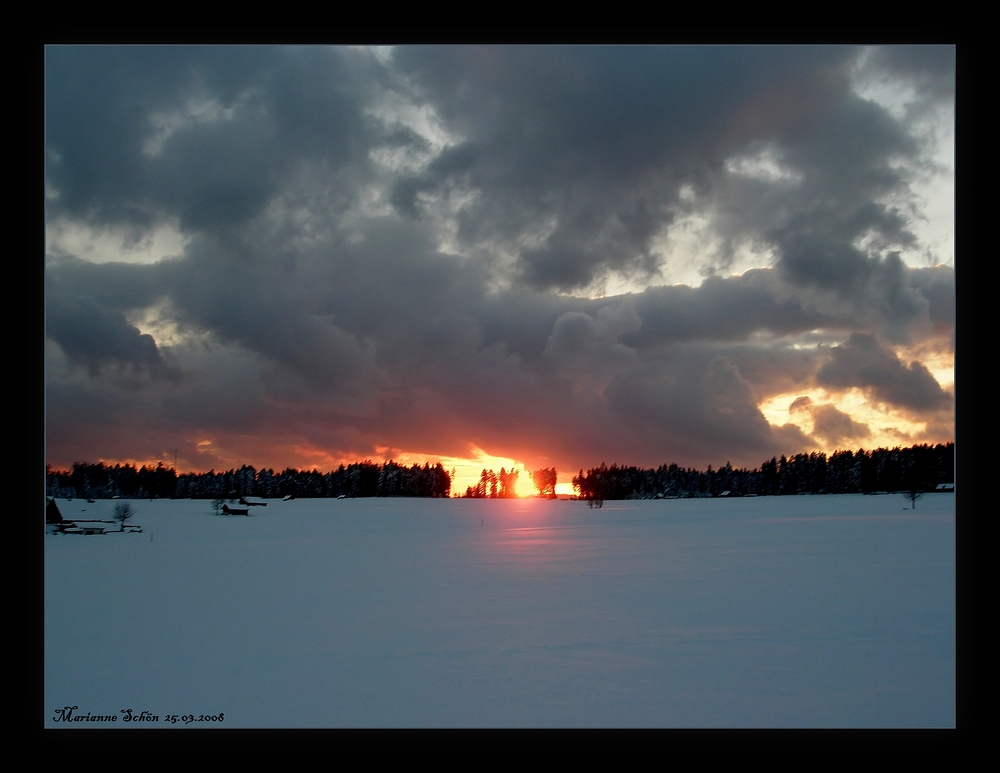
466	471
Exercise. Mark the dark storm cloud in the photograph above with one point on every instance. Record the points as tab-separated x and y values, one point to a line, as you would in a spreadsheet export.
930	69
84	315
699	406
862	362
448	365
91	336
258	304
836	427
113	286
721	309
316	302
598	139
830	424
772	367
846	161
602	141
907	303
207	134
937	286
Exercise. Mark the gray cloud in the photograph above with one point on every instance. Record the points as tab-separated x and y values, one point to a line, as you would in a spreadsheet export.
91	336
726	309
330	299
929	68
602	141
937	285
836	427
862	362
207	134
830	424
697	402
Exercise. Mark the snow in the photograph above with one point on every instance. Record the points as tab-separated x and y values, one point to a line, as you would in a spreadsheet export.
828	611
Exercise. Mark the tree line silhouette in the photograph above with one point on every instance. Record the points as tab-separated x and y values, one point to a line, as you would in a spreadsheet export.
545	482
915	469
361	479
503	485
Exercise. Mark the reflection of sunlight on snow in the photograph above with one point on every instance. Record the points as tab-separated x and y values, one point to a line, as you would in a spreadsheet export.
644	613
536	544
532	537
534	532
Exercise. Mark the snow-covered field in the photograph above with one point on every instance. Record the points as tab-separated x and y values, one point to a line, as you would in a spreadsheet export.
830	611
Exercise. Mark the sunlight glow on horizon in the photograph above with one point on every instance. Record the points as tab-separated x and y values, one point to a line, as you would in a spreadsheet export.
467	469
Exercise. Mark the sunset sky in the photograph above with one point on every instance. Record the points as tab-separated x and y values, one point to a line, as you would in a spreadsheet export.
494	256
